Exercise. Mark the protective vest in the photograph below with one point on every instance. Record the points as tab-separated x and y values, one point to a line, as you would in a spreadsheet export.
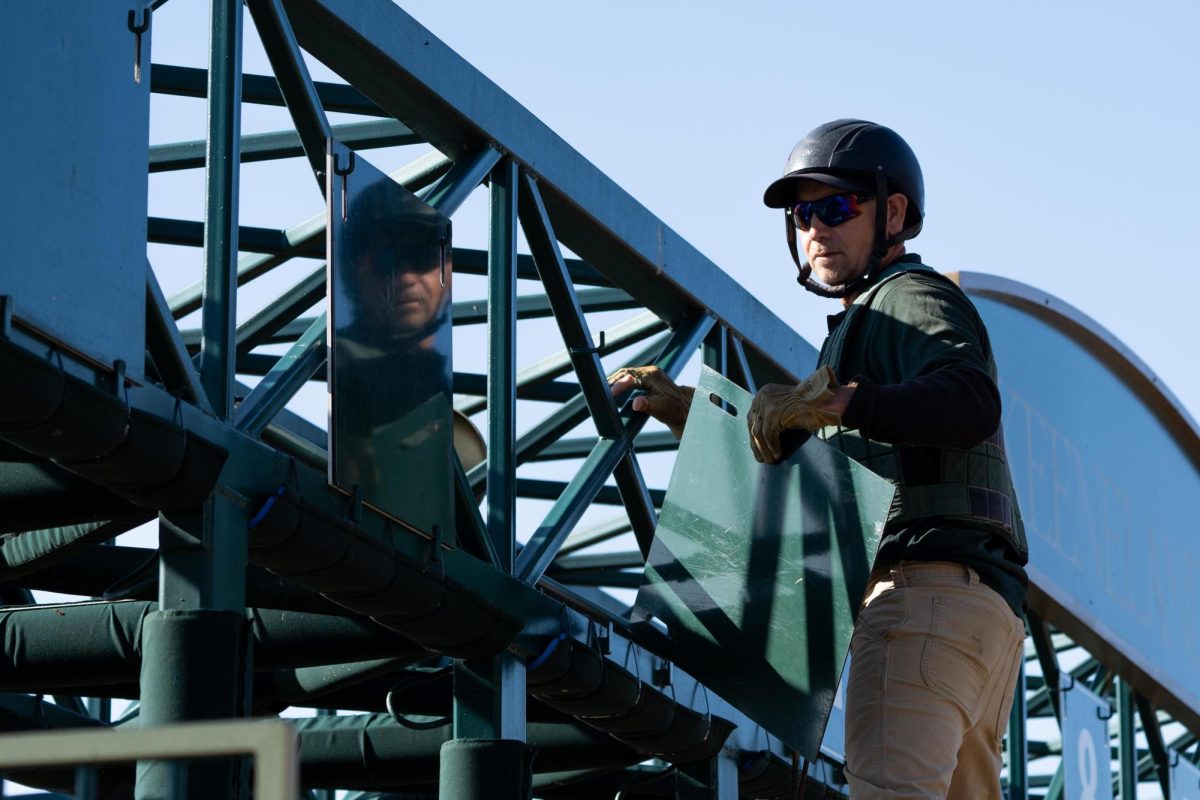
972	485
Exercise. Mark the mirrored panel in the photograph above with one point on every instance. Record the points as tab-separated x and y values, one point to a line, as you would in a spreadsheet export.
390	385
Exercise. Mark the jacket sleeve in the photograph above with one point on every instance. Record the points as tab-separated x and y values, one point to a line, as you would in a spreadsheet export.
955	406
931	372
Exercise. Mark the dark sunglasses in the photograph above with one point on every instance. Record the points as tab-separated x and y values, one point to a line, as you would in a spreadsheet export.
832	210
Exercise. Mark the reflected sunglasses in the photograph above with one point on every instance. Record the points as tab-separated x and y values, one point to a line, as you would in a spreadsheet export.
832	210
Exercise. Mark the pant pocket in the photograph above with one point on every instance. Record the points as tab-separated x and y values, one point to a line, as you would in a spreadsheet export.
881	618
966	645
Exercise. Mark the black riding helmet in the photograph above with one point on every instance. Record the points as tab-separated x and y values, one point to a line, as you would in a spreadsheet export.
855	155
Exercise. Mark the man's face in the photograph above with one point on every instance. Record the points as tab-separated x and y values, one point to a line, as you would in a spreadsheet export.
837	255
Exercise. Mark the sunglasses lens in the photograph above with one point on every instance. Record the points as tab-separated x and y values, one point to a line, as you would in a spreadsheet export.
832	211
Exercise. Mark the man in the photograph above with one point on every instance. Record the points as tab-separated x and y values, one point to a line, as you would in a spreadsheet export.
906	385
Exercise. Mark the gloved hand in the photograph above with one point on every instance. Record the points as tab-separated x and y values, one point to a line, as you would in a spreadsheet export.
664	399
778	408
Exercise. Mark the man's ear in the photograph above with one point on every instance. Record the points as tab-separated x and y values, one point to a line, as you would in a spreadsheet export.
897	208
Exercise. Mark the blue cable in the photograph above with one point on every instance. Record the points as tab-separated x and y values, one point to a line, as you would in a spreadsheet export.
549	651
267	506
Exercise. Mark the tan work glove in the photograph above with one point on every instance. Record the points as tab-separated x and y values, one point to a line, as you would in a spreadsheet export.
778	408
664	399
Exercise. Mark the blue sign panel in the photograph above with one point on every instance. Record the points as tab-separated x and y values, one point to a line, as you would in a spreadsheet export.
1087	764
1105	465
1185	778
390	385
76	144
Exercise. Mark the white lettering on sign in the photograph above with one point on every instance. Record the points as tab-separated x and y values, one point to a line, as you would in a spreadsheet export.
1075	507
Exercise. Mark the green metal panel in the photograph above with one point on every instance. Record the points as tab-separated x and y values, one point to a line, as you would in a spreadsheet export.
758	570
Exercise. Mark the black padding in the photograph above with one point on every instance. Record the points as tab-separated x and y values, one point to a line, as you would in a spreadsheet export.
152	453
485	769
689	730
618	692
36	495
362	567
202	463
275	520
553	669
413	591
463	626
315	542
764	775
652	714
583	677
88	423
34	387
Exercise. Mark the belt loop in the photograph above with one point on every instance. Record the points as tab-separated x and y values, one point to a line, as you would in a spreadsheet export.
898	576
972	576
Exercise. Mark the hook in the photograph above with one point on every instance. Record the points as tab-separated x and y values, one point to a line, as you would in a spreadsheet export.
143	26
337	170
343	174
585	351
6	313
137	29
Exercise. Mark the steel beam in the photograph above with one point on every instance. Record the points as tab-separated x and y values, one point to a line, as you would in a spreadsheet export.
1017	748
261	89
279	385
569	507
571	322
620	336
453	188
255	147
295	83
502	365
1127	778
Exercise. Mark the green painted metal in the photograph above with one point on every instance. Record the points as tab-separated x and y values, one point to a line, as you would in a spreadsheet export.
291	372
758	570
218	315
553	366
571	323
502	365
1016	746
294	81
257	147
1127	778
574	500
535	306
463	178
264	89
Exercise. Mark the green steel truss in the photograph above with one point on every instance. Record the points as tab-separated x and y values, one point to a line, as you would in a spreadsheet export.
269	590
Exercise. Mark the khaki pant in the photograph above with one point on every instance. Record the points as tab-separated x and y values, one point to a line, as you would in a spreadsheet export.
935	659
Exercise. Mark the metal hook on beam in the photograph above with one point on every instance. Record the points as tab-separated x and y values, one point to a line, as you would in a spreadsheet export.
137	29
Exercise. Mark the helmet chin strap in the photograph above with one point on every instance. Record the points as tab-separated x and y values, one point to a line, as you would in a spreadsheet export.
878	250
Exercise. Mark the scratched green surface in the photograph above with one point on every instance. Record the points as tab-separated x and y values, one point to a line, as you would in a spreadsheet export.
757	570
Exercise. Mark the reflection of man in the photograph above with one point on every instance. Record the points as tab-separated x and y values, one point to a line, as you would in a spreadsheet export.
906	385
392	340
